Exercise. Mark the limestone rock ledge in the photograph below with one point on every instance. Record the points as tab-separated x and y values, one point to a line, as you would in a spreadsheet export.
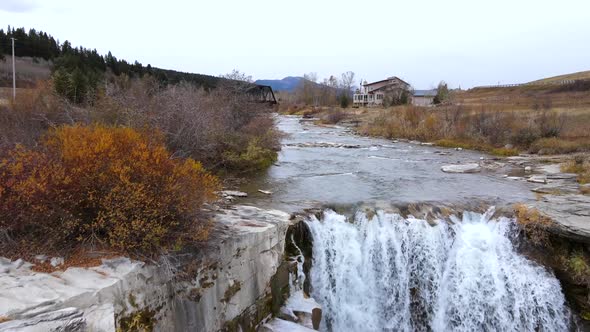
571	214
223	285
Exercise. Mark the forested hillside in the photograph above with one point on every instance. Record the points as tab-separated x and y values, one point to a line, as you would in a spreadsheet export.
77	70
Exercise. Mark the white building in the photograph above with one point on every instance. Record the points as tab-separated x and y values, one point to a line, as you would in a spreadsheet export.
373	94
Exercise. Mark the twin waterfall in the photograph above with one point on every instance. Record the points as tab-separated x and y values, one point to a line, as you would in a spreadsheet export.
387	273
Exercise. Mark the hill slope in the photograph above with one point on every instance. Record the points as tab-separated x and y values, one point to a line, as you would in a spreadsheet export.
582	75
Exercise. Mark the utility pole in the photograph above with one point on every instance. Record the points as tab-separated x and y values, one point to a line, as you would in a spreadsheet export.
13	73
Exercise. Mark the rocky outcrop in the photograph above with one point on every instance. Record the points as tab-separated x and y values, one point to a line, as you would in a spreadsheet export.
281	325
324	145
570	214
225	285
300	312
464	168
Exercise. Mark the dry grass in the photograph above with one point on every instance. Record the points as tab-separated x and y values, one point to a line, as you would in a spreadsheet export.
79	258
219	128
332	116
582	75
501	121
4	319
579	165
523	98
29	71
534	224
555	145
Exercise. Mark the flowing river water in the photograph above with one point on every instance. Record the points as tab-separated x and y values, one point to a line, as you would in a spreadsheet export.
386	272
320	166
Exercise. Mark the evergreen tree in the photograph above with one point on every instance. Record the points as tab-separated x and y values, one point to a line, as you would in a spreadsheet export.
78	71
78	87
442	93
61	82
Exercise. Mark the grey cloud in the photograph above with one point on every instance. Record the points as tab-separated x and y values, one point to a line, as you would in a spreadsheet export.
18	6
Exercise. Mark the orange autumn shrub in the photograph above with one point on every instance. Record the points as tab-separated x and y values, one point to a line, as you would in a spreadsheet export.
100	186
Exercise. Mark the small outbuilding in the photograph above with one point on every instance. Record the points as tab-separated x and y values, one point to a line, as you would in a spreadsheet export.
423	97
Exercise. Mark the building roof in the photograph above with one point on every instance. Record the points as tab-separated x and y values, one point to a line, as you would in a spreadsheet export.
387	80
424	93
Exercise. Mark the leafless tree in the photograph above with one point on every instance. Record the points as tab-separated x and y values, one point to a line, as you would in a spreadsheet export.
236	81
347	81
236	75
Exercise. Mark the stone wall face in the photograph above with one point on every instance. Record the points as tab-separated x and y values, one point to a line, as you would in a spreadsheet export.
220	287
236	283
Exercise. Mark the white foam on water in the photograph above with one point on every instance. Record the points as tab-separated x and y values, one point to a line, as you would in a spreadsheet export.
389	273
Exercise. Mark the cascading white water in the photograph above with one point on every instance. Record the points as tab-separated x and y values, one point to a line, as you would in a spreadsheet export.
388	273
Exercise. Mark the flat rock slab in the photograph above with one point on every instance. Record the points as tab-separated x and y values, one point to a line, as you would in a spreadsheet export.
571	213
559	188
324	145
537	179
233	193
562	176
465	168
550	169
280	325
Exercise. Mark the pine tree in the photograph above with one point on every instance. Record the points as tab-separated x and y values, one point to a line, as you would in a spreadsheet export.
79	86
61	82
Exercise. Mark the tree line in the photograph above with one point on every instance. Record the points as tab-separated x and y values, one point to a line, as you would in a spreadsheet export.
77	71
330	91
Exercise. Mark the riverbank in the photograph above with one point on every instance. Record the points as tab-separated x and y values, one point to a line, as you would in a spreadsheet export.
550	125
229	282
244	273
553	193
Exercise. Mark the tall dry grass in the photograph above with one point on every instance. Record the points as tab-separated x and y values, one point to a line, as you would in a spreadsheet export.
491	128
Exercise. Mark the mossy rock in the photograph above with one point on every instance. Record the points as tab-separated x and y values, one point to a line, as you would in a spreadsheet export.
138	321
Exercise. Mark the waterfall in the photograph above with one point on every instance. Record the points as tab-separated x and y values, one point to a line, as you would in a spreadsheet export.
297	284
389	273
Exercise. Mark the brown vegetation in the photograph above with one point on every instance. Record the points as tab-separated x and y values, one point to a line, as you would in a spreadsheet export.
569	259
219	128
582	75
30	71
123	173
579	165
332	116
216	127
538	119
534	224
99	186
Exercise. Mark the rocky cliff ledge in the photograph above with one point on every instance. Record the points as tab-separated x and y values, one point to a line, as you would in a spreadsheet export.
231	285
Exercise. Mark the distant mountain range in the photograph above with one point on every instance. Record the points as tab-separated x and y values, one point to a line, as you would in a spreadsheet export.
288	83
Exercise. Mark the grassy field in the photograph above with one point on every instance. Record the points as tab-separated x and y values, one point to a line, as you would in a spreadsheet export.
28	71
523	98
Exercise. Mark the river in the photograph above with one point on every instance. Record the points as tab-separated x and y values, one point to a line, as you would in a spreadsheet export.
321	166
388	272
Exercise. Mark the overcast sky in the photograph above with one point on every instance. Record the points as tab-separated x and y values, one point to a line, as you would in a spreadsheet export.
464	42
